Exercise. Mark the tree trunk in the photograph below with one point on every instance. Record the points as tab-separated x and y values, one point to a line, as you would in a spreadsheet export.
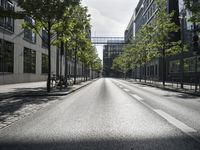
66	67
145	72
75	66
140	73
164	67
83	71
135	76
49	57
86	69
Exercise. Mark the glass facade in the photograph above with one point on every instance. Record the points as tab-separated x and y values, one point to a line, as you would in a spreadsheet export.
29	35
110	52
29	61
7	22
149	10
44	39
6	56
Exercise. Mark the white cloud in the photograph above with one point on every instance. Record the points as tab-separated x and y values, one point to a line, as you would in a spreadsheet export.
110	17
103	25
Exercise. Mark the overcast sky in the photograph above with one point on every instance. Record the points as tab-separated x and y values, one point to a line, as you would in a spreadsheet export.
110	17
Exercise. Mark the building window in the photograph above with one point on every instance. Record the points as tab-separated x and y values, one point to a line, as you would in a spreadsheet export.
6	56
44	39
7	22
29	61
174	66
1	3
44	63
29	35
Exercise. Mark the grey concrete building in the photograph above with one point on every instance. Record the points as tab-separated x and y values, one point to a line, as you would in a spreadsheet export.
24	56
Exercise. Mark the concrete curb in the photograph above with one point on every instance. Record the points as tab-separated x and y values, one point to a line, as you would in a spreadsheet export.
45	93
166	88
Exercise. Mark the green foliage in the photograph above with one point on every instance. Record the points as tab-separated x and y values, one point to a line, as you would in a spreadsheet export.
152	41
72	29
163	26
45	10
194	7
121	63
66	22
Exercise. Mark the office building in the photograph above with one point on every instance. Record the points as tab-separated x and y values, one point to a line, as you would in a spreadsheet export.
110	52
145	14
24	56
130	30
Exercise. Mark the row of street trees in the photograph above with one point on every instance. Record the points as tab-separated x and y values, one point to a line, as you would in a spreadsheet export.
67	24
153	41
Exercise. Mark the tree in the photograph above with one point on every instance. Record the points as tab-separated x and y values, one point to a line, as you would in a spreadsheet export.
162	41
79	36
96	65
121	64
153	41
144	46
89	58
194	7
46	14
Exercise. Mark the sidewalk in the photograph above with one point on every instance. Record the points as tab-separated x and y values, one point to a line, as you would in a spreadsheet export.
20	100
188	89
36	89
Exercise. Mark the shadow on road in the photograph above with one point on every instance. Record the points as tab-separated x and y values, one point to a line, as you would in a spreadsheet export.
178	143
14	106
176	93
11	103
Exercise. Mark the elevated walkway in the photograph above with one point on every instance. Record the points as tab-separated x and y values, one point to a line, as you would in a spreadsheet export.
107	40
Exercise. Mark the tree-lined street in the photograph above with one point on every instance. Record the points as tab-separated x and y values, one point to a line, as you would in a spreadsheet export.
73	77
110	114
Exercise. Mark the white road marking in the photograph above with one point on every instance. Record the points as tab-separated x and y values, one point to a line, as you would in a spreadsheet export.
180	125
175	122
137	97
127	90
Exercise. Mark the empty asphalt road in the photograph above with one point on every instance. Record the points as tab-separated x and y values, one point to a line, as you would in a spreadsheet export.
110	114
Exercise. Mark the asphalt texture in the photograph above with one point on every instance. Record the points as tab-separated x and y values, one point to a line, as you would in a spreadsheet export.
110	114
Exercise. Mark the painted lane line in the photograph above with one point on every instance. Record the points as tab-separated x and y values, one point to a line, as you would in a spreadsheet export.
127	90
137	97
175	122
180	125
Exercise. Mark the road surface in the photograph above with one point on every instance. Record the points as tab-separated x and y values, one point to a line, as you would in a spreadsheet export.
110	114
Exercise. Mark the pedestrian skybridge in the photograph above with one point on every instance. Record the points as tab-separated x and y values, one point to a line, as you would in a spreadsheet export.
107	40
